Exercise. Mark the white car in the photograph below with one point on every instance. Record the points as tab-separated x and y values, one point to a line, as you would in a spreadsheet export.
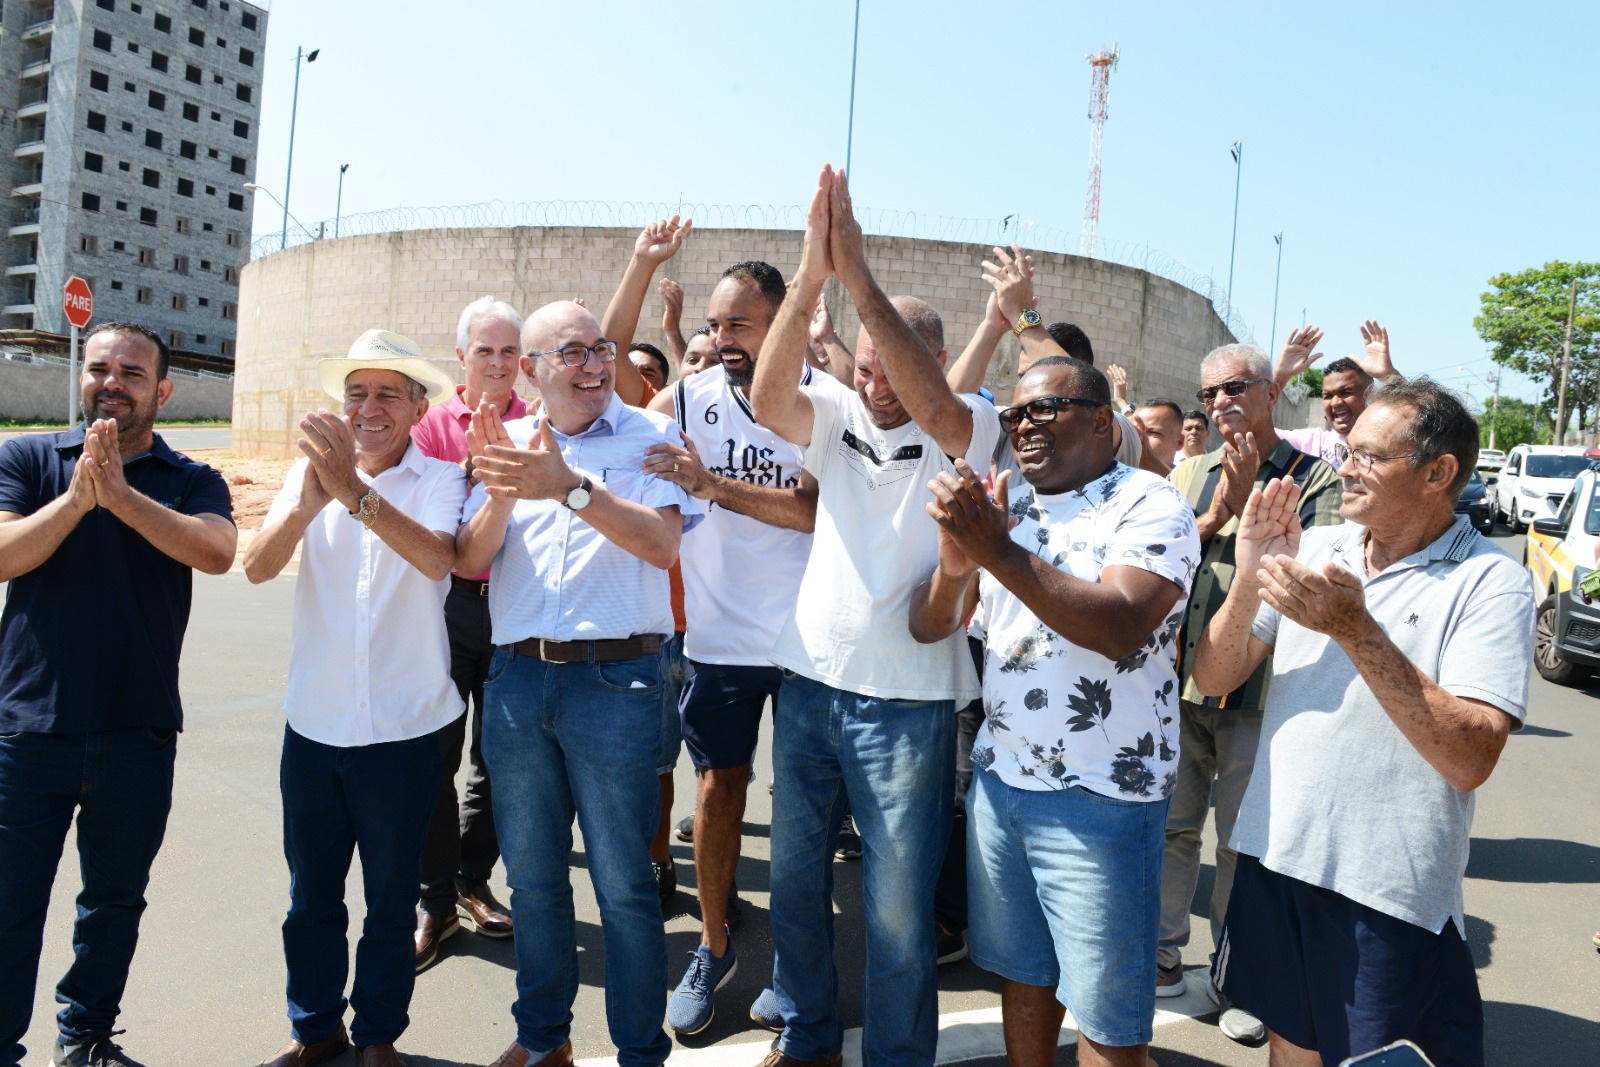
1491	459
1535	480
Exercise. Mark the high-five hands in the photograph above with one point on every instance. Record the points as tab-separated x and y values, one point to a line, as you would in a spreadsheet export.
1375	359
1012	278
1298	354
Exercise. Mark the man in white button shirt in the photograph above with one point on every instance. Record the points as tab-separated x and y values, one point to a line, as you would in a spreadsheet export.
578	540
369	689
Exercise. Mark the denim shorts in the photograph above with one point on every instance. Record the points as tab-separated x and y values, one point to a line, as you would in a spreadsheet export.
1064	890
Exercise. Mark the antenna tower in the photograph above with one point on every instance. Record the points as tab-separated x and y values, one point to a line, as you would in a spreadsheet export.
1101	64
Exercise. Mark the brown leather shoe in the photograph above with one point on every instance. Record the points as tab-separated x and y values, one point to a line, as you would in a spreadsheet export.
779	1059
431	932
517	1056
378	1056
483	913
295	1054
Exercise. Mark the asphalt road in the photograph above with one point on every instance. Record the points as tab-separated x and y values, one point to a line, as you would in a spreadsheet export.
207	985
180	438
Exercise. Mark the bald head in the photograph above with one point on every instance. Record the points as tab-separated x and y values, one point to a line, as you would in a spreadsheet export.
556	324
923	320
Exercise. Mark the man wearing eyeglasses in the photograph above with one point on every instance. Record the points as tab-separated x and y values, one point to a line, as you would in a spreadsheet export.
1219	732
1073	765
1399	647
578	540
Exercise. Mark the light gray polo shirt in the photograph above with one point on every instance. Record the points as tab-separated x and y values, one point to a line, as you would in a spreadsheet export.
1339	798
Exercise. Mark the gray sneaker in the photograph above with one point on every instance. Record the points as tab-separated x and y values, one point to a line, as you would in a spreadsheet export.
764	1012
1171	981
1234	1021
691	1009
92	1052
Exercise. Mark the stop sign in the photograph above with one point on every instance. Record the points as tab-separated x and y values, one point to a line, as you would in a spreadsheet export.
77	301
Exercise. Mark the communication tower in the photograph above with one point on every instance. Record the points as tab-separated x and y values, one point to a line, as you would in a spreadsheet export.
1101	64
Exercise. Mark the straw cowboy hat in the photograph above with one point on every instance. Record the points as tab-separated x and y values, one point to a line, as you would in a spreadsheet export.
382	350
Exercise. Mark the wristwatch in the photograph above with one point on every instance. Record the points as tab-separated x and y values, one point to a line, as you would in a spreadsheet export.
1027	321
578	498
367	508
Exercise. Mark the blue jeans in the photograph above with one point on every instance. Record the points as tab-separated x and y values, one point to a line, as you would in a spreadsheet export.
893	761
580	738
1064	890
379	799
120	784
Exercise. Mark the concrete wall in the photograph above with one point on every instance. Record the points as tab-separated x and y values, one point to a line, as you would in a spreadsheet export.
31	391
313	300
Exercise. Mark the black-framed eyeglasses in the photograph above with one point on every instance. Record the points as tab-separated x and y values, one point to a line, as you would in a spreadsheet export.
1363	460
1041	411
578	355
1233	388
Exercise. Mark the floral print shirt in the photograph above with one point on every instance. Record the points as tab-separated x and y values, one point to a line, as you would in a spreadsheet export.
1058	715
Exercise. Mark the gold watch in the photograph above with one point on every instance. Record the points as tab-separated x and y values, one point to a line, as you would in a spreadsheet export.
1027	321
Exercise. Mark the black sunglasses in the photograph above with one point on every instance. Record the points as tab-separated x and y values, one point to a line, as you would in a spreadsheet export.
1233	388
1041	411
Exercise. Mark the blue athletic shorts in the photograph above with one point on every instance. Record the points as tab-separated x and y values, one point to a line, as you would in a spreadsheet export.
1338	977
721	709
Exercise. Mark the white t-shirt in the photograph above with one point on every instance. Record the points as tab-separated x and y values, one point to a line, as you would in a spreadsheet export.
874	544
1058	715
369	658
740	575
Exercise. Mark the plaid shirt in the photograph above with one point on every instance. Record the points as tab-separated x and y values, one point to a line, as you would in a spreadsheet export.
1197	479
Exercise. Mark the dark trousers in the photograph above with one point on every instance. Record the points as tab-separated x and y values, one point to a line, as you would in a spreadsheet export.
462	847
375	798
950	894
120	785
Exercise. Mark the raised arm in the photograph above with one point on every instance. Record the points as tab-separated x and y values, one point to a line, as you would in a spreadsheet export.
775	395
1011	276
967	372
672	319
828	350
205	542
657	243
1298	354
915	375
1375	359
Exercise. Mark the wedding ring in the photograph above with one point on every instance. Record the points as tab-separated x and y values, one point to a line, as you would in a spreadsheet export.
674	468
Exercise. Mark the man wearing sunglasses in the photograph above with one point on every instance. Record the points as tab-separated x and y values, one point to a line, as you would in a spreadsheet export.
1219	732
1398	647
578	540
1073	765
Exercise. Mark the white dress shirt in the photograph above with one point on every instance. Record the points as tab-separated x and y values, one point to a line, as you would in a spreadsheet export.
369	661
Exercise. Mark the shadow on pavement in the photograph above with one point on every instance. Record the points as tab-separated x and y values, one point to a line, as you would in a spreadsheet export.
1534	859
1522	1033
1540	731
1480	939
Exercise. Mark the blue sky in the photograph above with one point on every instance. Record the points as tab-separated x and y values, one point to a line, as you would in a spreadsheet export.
1407	151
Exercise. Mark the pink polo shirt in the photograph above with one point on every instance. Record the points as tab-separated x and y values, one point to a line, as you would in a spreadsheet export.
442	433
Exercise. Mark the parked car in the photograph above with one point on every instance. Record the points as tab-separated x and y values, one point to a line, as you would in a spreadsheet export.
1561	555
1474	504
1491	459
1535	480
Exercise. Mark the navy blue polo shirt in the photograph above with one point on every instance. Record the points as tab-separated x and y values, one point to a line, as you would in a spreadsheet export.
89	640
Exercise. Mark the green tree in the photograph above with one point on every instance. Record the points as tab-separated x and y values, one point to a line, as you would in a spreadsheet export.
1515	422
1524	319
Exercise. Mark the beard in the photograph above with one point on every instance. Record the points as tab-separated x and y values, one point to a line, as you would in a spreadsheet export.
137	420
742	375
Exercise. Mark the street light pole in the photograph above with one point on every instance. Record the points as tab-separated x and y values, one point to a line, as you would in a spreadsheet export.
1238	173
1272	345
1566	359
338	202
1494	411
294	107
850	126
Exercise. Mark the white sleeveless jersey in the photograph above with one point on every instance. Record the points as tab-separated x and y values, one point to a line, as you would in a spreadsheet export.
740	576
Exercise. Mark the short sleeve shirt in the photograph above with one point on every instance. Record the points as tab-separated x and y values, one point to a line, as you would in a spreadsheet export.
1057	714
1339	797
107	572
1316	441
874	544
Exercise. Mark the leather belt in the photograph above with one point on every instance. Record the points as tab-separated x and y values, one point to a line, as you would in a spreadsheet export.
588	651
462	585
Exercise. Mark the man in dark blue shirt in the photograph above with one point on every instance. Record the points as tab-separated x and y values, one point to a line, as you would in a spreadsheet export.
100	528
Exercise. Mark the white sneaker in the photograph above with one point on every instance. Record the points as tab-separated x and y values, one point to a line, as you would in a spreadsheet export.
1235	1022
1171	982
